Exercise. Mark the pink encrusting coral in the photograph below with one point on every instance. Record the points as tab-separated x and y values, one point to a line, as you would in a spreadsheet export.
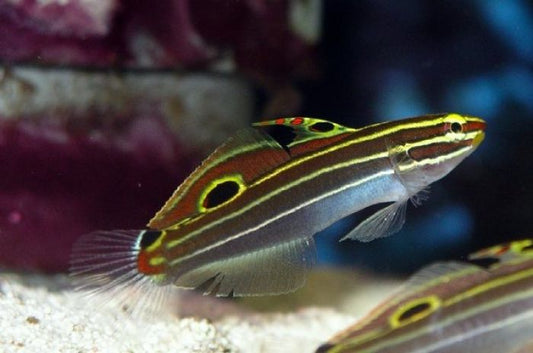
255	35
77	18
60	181
82	151
57	31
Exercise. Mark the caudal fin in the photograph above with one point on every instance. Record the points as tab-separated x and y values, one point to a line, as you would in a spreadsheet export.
103	266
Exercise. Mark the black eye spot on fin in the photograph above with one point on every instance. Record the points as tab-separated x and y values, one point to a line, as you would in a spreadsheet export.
322	126
221	193
284	135
486	262
149	237
419	308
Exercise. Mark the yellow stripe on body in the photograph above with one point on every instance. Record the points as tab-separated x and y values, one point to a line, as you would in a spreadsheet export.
402	168
489	285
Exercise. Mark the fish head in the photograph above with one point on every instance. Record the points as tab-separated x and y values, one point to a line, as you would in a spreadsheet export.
517	249
439	146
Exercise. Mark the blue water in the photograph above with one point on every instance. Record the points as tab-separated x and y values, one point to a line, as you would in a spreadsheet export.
385	61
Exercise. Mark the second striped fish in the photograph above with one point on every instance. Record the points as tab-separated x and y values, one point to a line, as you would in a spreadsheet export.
454	307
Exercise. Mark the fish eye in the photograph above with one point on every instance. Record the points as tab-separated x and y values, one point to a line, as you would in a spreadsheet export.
456	127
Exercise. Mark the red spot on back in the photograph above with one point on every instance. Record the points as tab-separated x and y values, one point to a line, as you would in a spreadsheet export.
297	121
503	250
280	121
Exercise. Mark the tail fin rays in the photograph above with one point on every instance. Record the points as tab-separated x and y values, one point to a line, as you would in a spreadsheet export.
103	266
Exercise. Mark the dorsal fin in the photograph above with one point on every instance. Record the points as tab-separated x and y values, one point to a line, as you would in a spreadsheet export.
518	249
299	135
439	270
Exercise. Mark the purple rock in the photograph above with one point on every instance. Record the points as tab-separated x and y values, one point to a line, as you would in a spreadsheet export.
83	151
69	18
256	36
258	31
59	183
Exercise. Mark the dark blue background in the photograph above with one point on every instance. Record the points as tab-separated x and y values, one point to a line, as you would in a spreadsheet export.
385	60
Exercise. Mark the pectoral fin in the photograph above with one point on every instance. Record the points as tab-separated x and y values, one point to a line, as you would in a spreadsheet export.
384	222
275	270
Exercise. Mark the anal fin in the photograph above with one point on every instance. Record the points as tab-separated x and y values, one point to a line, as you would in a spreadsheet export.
278	269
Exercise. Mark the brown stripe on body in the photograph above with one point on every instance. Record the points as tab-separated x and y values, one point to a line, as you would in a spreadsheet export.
416	134
437	149
311	146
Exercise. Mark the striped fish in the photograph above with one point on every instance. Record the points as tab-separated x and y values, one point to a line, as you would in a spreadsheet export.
243	222
482	307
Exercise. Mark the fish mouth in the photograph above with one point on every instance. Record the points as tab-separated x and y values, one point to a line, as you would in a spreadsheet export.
480	136
476	127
